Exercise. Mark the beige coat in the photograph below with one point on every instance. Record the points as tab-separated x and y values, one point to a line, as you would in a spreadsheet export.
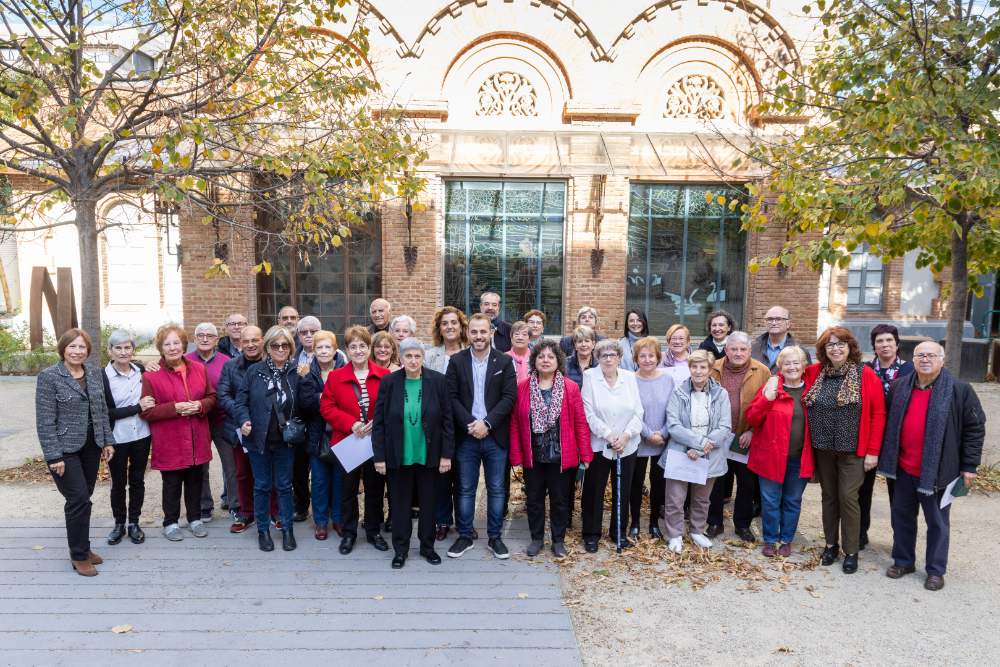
756	377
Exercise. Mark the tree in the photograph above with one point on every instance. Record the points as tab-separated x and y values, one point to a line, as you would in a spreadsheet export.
902	148
216	105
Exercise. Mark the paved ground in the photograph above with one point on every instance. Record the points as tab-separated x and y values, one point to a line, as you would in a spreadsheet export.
221	601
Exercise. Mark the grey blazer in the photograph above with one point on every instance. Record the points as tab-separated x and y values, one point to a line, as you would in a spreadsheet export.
682	438
435	357
61	411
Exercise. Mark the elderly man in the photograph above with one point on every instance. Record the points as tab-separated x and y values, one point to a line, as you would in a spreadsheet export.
304	332
489	305
288	317
381	312
769	344
206	336
933	437
586	317
229	344
403	327
741	376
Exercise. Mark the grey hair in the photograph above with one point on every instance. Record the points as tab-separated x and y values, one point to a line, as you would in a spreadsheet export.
486	294
605	344
206	326
120	336
404	318
309	319
586	309
739	337
410	343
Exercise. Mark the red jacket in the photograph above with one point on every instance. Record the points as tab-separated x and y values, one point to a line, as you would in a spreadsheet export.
339	404
772	426
872	409
178	442
574	433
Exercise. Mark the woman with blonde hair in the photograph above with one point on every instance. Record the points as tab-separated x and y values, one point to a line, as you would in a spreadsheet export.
678	347
385	351
325	475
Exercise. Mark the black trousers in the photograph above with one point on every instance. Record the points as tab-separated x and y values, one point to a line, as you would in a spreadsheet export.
128	466
865	498
657	490
403	482
350	482
300	481
77	485
746	490
592	504
551	478
190	479
905	509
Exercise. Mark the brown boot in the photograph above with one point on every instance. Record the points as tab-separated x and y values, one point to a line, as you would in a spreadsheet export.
85	568
95	559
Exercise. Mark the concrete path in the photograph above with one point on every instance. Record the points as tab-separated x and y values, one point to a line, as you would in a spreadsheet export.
221	601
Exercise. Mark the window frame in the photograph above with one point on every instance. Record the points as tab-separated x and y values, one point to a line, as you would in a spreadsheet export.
866	257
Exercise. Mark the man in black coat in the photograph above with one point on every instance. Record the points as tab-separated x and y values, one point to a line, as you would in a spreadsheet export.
489	305
933	439
483	387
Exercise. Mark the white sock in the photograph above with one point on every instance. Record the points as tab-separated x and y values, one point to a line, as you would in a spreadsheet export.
701	540
676	545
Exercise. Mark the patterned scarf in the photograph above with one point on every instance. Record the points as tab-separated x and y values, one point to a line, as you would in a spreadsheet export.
275	383
544	417
887	375
850	388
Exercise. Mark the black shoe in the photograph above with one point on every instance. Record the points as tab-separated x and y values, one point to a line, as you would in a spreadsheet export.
461	545
830	555
714	531
225	504
135	534
863	542
655	533
346	546
432	556
850	564
299	517
117	534
398	562
633	531
388	525
590	547
414	514
498	548
626	543
264	540
288	540
378	542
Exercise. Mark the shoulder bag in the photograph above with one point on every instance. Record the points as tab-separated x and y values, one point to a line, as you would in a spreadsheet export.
293	431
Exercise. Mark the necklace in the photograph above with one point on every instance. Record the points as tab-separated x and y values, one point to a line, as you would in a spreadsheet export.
413	419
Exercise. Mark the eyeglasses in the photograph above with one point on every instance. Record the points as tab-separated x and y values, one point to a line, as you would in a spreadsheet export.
836	346
205	336
280	346
775	320
609	355
925	357
236	325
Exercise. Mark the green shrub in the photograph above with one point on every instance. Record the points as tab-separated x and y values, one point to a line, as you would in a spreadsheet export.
17	359
111	327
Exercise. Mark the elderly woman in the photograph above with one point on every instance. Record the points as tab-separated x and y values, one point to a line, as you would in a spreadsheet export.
271	401
846	405
655	386
535	319
413	438
348	405
678	347
719	324
584	358
636	327
780	451
385	351
613	406
182	441
519	351
403	327
325	474
123	393
586	317
71	416
550	437
699	419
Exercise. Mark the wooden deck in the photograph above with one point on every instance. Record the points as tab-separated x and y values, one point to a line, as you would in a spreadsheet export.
221	601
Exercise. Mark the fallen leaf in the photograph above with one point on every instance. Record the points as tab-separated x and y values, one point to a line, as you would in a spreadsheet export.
120	629
815	594
137	650
146	522
784	650
271	630
605	573
378	597
777	589
872	569
628	609
522	595
37	548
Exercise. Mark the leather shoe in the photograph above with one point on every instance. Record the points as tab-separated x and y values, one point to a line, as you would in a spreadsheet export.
590	547
378	542
633	532
346	545
897	572
475	534
117	533
714	531
288	540
863	541
264	540
84	568
432	556
399	561
320	532
388	525
95	559
135	534
338	526
850	564
655	533
442	533
746	535
299	517
830	555
934	582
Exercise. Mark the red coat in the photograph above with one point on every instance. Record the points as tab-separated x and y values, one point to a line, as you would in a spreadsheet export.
772	426
339	404
178	442
872	409
574	433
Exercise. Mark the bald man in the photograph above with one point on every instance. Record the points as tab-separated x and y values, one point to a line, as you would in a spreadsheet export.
767	346
381	312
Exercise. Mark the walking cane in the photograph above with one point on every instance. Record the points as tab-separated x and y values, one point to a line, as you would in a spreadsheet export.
618	498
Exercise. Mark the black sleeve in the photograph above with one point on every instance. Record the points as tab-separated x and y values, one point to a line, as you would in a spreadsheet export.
508	396
378	421
447	420
460	412
114	412
970	453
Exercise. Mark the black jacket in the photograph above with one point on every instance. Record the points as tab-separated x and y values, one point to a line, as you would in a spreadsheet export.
253	403
229	385
962	447
435	413
499	395
227	348
501	335
573	370
569	348
115	412
314	420
709	346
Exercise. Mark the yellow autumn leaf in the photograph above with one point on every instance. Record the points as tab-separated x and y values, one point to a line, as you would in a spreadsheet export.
378	597
522	595
628	609
120	629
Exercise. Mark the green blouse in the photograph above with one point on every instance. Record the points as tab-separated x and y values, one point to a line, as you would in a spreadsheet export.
414	446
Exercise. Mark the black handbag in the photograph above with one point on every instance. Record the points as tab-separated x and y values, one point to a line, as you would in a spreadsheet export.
325	453
293	431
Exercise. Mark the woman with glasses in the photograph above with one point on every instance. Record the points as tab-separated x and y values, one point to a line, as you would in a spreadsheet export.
678	350
613	406
520	337
535	319
274	394
846	405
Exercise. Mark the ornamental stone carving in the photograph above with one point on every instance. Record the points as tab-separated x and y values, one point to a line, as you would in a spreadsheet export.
507	94
695	97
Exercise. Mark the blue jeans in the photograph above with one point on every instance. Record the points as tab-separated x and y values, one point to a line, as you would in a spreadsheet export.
493	458
280	458
325	491
781	504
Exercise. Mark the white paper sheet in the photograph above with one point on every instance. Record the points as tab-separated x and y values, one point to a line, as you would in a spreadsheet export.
353	451
239	439
734	456
683	469
947	498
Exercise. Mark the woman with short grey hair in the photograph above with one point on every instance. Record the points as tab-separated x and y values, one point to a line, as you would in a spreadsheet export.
403	326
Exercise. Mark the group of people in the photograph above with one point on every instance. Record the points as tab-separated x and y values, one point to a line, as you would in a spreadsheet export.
488	395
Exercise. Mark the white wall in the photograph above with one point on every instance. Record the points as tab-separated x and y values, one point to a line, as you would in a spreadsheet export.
918	289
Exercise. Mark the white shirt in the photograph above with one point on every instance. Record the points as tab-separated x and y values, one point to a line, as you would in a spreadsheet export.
610	410
127	390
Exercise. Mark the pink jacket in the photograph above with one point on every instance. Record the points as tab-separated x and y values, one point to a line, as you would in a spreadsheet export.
574	433
178	442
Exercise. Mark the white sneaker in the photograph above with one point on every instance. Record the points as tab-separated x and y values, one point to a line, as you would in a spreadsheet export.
676	545
702	541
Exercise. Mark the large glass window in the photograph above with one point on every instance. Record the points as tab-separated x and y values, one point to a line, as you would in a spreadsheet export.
505	237
864	280
686	257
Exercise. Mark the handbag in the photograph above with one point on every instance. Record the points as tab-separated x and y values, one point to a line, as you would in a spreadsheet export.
293	431
325	452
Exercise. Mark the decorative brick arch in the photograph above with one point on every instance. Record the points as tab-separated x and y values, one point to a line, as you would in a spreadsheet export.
516	36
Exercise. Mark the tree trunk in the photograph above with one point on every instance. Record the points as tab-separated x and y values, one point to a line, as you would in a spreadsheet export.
958	300
90	277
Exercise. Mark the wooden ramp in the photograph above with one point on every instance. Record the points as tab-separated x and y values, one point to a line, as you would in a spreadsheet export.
219	601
